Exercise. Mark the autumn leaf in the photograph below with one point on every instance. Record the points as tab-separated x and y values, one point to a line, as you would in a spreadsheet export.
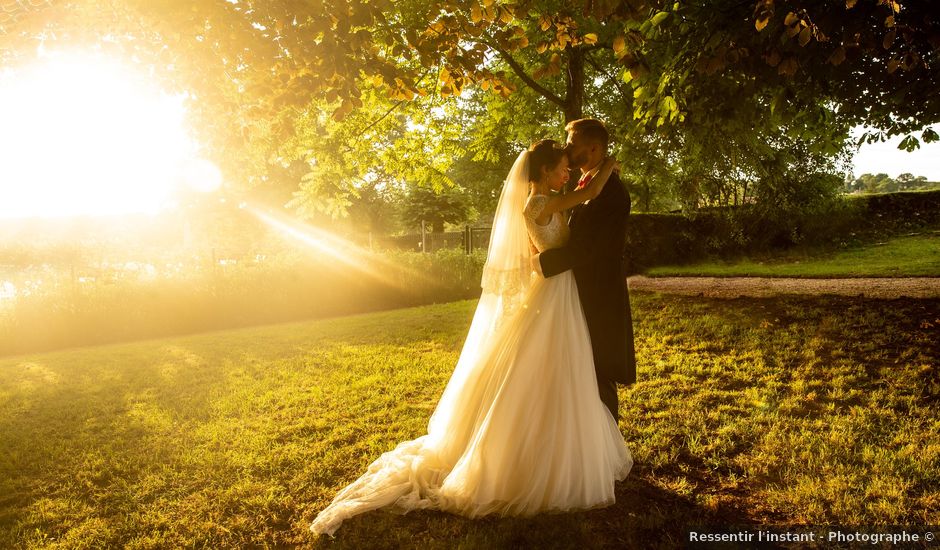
805	36
343	110
761	23
715	64
505	16
788	67
773	59
889	39
838	56
590	38
619	44
490	13
791	19
476	15
639	70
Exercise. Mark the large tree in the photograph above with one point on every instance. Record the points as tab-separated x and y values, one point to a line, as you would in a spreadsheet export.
697	93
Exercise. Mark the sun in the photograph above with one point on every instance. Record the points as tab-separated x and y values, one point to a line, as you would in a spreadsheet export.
82	134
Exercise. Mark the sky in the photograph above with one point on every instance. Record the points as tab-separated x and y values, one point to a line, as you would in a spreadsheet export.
83	134
886	158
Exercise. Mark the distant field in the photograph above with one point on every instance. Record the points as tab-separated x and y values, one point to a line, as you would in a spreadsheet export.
784	411
912	256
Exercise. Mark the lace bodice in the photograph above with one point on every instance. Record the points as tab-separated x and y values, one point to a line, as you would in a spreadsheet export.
551	235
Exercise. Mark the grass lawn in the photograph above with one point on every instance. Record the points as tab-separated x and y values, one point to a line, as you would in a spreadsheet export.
784	411
911	256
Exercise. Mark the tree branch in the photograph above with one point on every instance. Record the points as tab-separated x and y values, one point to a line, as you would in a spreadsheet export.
530	82
611	78
388	112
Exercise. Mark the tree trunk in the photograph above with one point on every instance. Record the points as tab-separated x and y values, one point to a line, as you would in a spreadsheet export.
574	85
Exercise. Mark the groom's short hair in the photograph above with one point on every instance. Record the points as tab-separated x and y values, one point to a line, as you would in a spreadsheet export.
590	128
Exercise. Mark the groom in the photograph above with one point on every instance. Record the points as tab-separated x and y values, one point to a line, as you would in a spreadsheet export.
595	253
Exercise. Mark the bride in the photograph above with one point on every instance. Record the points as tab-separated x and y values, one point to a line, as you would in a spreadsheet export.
520	428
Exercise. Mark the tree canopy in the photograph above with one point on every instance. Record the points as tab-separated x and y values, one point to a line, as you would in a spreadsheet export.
708	101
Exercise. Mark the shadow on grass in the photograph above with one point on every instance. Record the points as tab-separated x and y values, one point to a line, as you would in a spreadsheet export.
644	516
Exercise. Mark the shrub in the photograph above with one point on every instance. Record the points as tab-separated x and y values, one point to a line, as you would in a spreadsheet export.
64	312
674	239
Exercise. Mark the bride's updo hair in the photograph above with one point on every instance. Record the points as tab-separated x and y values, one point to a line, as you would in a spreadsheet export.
546	154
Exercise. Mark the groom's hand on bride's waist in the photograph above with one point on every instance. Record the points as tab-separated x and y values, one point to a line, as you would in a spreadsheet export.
537	265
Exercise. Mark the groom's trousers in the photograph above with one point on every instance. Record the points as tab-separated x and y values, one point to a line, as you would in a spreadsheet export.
608	391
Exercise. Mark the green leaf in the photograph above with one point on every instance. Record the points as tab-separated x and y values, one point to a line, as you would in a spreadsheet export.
668	105
909	144
659	18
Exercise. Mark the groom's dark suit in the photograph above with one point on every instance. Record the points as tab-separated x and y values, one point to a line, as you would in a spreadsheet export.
595	253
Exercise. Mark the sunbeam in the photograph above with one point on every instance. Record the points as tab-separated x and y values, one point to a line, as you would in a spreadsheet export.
337	249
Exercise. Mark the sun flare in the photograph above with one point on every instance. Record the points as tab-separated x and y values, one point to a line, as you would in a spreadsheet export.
84	135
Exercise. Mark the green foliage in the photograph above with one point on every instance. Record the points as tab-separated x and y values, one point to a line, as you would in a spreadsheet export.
882	183
668	239
789	411
914	256
435	209
416	160
704	108
65	312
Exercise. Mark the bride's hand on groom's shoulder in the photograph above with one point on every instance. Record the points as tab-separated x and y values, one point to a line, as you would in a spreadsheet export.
615	164
609	166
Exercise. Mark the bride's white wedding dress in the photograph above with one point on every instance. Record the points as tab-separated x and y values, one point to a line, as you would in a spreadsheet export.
520	428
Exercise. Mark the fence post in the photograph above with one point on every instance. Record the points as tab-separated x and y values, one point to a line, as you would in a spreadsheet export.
424	238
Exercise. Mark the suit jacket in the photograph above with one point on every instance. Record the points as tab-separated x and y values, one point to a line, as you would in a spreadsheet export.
595	253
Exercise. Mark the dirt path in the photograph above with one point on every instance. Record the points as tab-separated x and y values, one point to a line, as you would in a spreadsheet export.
733	287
